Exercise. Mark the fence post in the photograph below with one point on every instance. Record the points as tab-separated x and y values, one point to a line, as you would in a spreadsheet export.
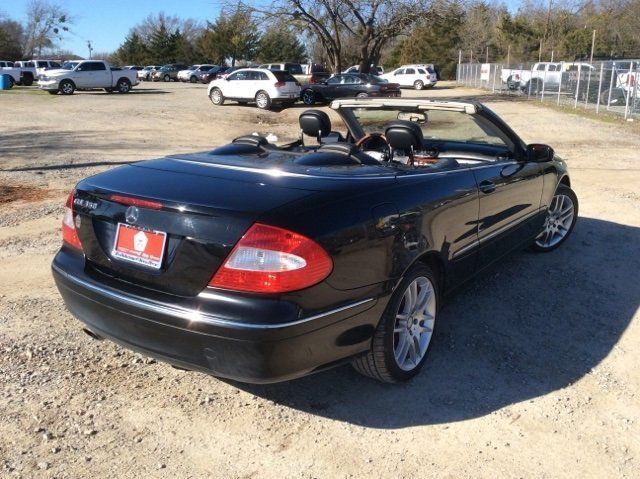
544	83
626	105
599	88
530	78
575	103
613	72
493	85
586	97
560	82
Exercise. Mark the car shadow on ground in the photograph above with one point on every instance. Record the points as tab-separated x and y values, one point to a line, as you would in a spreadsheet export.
532	325
133	91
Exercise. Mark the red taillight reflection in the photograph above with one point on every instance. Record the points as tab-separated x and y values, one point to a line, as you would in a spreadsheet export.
129	201
279	84
268	259
69	232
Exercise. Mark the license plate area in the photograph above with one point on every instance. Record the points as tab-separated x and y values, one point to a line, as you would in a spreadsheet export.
140	246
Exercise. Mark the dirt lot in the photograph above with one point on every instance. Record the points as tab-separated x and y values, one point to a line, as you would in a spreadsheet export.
533	372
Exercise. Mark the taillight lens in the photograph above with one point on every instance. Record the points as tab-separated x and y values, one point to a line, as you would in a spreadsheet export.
279	84
130	201
268	259
69	232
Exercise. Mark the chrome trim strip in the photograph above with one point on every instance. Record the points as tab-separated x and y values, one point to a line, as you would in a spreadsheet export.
275	173
502	229
508	226
193	315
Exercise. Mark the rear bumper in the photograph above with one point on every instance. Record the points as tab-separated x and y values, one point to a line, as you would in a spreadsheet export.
195	337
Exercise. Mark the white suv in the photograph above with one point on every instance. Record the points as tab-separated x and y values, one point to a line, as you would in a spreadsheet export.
416	76
259	85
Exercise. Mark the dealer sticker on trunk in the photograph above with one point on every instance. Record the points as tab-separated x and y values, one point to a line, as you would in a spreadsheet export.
139	246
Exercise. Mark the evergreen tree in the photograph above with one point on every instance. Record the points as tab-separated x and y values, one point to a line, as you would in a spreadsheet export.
279	43
133	51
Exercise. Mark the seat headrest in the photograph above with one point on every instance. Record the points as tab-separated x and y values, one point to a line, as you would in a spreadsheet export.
340	147
403	135
315	123
254	140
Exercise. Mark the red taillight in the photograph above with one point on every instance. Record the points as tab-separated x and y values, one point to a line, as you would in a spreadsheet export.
268	259
127	200
279	84
69	232
312	81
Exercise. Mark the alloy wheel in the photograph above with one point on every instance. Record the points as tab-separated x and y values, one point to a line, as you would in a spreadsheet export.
414	322
558	222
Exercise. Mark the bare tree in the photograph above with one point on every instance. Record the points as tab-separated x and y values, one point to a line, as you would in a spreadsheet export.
46	24
368	25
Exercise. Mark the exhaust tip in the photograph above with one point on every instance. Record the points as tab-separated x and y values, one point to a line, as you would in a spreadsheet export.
93	335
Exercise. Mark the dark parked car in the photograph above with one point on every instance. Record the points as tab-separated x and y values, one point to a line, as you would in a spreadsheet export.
262	263
168	72
349	85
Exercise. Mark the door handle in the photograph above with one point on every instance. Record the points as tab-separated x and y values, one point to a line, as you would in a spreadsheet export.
487	186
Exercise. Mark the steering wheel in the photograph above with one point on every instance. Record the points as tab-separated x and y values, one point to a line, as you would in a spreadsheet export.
370	137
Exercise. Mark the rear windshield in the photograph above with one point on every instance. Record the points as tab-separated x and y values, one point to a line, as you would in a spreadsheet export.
293	68
283	76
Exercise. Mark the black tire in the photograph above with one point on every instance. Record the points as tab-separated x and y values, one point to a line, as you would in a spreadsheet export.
380	363
27	79
418	85
166	77
12	82
263	100
123	85
67	87
308	97
193	79
362	95
568	193
533	86
216	96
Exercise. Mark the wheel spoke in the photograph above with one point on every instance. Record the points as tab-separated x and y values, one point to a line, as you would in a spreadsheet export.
402	349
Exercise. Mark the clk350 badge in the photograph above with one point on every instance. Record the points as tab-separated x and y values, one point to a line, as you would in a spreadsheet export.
90	205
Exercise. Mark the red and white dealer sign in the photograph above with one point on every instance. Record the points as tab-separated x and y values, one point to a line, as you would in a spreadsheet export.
139	246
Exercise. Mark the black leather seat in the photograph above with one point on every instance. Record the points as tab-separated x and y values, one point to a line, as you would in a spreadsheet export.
315	123
404	135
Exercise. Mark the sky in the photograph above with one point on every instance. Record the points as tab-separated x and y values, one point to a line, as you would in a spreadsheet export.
106	22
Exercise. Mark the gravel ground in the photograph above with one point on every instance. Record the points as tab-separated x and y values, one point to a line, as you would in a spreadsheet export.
533	370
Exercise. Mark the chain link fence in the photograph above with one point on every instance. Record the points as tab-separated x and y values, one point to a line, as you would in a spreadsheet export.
608	86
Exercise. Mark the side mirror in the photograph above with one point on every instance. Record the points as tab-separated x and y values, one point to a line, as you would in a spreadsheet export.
540	153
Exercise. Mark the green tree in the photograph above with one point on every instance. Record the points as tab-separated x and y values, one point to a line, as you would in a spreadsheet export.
133	51
232	36
434	41
279	43
11	37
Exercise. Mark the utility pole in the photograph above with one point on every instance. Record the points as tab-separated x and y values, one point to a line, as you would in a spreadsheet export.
487	59
90	48
593	44
509	55
540	52
459	57
471	57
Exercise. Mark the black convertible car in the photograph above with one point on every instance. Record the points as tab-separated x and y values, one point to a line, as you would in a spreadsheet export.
263	262
348	85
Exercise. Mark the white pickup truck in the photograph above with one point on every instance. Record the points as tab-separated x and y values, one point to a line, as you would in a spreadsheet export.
542	75
7	68
87	75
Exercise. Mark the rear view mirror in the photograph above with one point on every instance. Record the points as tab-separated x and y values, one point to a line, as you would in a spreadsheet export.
540	153
415	117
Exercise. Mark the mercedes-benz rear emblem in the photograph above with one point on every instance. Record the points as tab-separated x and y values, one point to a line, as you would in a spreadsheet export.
131	215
